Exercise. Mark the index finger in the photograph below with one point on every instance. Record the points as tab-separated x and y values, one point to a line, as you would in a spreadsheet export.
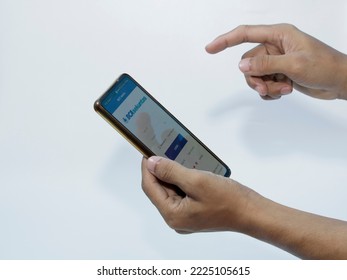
243	34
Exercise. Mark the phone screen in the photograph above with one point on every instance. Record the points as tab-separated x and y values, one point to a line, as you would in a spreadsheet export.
145	121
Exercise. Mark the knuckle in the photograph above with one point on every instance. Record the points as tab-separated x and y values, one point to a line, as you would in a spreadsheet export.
180	218
170	220
245	28
196	178
166	171
263	63
289	27
204	181
173	221
181	222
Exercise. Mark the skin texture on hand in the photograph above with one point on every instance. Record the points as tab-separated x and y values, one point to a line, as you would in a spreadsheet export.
287	58
216	203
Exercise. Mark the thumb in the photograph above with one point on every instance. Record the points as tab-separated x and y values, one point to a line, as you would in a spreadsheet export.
172	172
265	65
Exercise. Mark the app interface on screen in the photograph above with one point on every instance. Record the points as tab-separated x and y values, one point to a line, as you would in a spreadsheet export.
156	129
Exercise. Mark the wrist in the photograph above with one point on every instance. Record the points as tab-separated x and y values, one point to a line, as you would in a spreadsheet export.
249	217
269	221
255	215
272	223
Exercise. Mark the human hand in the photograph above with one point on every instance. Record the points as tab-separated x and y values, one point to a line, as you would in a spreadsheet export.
216	203
211	203
287	58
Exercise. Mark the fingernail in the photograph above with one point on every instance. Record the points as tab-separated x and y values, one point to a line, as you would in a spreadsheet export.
286	90
152	162
260	90
245	65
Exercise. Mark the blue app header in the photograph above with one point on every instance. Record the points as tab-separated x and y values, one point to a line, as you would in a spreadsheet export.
117	94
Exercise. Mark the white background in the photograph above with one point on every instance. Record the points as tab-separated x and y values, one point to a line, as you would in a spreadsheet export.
70	186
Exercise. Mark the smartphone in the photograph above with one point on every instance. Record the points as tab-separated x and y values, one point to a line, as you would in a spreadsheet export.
152	129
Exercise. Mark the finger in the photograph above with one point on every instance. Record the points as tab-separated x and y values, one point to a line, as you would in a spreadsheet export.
273	86
257	84
242	34
270	98
174	173
256	51
183	231
262	84
152	187
277	85
262	65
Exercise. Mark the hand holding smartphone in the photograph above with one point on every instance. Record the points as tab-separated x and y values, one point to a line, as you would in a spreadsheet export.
152	129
